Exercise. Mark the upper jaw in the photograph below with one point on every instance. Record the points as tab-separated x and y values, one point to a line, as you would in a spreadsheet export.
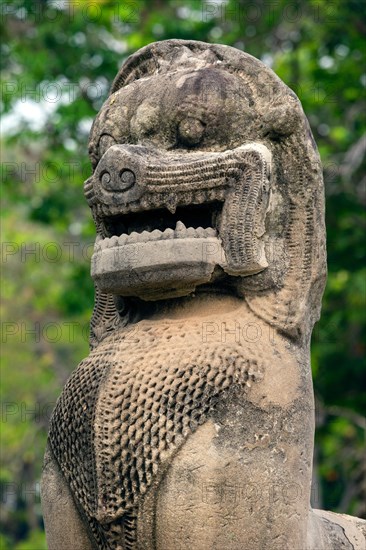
166	227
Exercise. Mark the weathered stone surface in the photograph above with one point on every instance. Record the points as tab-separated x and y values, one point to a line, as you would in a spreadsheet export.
191	423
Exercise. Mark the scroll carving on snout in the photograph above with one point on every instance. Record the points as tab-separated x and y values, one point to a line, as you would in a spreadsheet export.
145	201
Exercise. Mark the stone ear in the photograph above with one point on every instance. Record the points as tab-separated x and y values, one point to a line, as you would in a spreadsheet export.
281	121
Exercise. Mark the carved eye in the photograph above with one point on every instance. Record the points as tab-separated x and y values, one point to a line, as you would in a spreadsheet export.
106	141
191	130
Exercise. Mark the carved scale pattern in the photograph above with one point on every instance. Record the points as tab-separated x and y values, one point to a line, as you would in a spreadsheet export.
71	435
147	409
129	406
105	317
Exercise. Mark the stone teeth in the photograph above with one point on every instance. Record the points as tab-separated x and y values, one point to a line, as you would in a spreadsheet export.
221	194
156	234
133	237
146	236
180	231
171	204
188	197
191	232
180	227
155	201
168	234
200	197
211	194
144	201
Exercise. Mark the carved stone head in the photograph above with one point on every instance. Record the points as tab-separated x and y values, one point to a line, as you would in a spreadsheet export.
205	175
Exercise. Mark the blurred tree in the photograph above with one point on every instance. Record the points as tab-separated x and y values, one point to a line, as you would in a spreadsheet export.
58	60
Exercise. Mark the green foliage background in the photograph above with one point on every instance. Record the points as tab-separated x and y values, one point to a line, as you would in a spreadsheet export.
58	60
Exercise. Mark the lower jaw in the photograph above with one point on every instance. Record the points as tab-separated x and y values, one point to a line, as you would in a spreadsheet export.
156	270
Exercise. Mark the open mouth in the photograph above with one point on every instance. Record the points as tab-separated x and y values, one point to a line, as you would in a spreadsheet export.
157	253
197	221
169	250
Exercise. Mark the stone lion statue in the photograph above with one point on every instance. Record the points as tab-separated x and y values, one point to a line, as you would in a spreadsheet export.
190	425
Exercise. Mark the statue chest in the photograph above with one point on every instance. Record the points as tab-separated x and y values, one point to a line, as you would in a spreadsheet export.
140	394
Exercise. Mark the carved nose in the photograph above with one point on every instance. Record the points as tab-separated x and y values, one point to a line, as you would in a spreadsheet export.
119	176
